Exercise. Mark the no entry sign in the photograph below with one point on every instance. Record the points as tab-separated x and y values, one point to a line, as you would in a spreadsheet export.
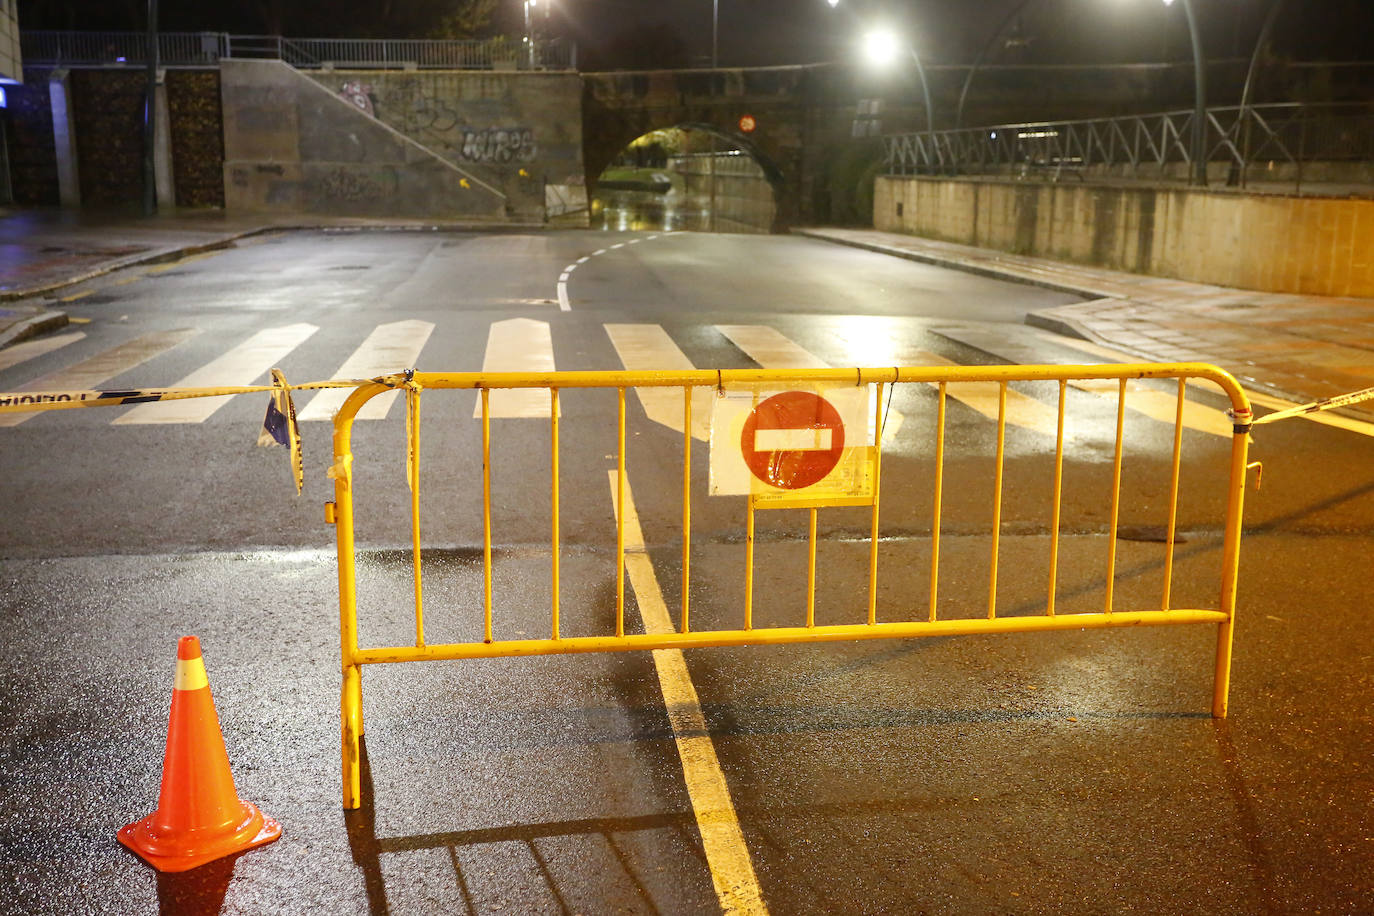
785	446
792	440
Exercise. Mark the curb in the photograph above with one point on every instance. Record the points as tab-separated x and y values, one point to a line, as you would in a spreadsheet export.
41	323
155	257
955	264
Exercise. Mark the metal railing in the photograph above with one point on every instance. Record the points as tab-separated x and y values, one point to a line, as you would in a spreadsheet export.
197	49
1286	137
580	629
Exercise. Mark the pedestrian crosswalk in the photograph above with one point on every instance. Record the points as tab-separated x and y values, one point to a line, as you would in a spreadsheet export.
526	345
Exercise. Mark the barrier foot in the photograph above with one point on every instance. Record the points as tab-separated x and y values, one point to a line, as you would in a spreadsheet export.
1221	683
351	709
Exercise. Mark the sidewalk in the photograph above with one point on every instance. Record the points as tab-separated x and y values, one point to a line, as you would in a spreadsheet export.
43	251
1300	348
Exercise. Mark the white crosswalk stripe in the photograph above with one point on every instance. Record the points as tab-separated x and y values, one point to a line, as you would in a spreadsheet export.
242	365
1141	398
102	367
389	348
29	349
518	345
648	347
772	350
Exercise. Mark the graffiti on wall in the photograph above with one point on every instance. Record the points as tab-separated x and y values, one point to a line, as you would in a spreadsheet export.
360	95
438	122
499	144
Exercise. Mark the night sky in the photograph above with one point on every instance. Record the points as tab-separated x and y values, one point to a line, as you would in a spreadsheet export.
628	34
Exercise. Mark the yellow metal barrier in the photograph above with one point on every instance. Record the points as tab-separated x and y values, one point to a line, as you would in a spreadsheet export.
341	513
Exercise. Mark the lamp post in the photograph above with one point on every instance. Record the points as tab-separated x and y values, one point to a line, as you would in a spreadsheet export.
1197	146
529	35
150	117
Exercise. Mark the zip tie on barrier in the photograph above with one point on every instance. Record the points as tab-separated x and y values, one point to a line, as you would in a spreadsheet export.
1241	420
412	390
1340	400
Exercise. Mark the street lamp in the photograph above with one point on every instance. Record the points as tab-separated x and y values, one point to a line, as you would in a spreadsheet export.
529	36
1198	140
882	47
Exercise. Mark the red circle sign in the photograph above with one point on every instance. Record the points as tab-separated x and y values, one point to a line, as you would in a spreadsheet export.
747	124
792	440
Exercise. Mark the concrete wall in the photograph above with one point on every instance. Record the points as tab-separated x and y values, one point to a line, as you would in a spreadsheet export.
292	146
11	65
1321	246
518	131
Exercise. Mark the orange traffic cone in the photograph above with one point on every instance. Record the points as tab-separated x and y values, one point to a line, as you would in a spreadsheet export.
199	816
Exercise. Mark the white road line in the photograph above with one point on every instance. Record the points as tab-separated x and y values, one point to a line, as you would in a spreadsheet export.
732	872
772	350
242	365
648	347
518	345
389	348
22	352
102	367
564	303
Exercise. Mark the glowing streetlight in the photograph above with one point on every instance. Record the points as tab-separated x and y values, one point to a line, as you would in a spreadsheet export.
882	48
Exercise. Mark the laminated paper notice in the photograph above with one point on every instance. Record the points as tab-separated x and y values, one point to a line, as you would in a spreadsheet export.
793	446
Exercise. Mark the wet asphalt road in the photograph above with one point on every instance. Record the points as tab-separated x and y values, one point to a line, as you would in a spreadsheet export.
1025	773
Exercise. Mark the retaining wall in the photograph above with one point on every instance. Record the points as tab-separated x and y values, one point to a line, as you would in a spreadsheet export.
1276	243
292	146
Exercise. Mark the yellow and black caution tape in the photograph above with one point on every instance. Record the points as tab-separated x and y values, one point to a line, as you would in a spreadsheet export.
279	426
1340	400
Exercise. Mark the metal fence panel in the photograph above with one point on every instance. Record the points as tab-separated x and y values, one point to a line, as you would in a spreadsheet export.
929	621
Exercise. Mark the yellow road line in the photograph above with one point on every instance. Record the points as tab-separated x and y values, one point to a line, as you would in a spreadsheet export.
75	296
732	872
171	265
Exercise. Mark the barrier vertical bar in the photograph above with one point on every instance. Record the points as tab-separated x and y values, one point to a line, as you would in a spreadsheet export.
939	486
749	567
1116	493
811	573
1173	500
553	396
686	501
486	515
1235	504
620	515
1058	498
997	495
413	460
351	689
877	481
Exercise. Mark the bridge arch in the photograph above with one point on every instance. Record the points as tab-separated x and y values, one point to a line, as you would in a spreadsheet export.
788	143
